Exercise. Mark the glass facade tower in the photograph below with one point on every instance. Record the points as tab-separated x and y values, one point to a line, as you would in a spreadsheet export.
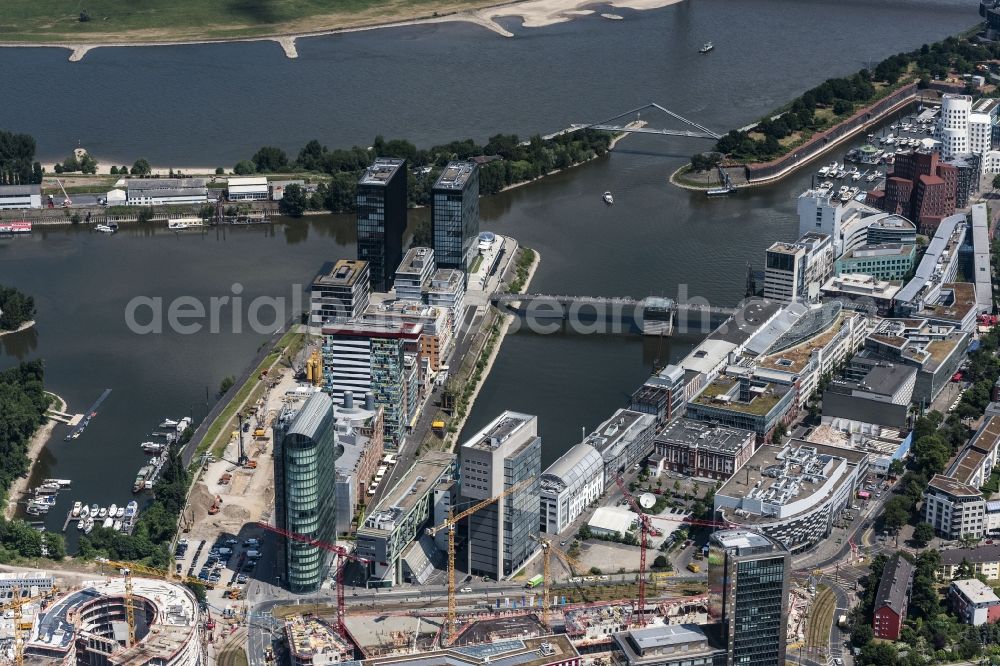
455	215
381	203
748	594
305	495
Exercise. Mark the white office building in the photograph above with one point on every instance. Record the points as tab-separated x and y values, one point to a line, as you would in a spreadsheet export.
569	484
796	271
413	273
165	191
953	125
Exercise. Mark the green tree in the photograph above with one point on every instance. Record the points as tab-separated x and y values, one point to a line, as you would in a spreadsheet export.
923	533
897	512
141	167
660	562
878	654
270	159
294	201
244	168
16	308
423	235
862	635
226	384
219	171
996	181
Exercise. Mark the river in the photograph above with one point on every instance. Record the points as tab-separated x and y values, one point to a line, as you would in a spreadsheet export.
216	104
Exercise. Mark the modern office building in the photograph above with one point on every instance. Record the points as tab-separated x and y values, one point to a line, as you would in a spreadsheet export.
20	196
793	493
623	440
862	292
744	402
892	598
662	395
381	204
305	454
501	537
340	291
414	274
401	517
921	188
367	358
455	215
361	440
703	450
953	124
748	594
795	271
887	261
891	229
447	290
872	392
669	645
568	486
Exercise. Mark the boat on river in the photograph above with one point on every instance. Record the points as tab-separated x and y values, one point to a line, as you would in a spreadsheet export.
706	47
608	198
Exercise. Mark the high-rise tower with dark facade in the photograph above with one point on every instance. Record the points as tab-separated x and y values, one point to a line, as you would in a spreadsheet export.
748	594
381	202
455	215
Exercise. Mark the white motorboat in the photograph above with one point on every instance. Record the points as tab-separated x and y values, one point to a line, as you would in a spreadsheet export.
105	229
120	512
112	510
77	506
168	423
88	526
706	47
117	526
608	198
62	483
84	512
102	512
131	509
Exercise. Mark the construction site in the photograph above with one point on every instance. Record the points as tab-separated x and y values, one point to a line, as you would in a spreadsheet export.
118	619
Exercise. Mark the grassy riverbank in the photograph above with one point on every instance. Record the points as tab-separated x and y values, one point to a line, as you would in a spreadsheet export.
58	21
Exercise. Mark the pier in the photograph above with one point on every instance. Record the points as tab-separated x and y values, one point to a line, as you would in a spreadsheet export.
82	423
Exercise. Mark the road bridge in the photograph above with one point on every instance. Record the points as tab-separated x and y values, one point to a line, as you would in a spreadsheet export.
611	314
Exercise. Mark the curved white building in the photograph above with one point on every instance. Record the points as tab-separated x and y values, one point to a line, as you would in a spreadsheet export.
569	484
953	124
87	626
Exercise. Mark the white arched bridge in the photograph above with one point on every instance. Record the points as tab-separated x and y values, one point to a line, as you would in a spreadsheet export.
632	121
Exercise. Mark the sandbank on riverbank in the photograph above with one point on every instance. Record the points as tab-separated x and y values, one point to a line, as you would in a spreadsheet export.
35	446
533	14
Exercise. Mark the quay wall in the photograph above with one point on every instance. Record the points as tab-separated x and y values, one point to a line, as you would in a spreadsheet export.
761	173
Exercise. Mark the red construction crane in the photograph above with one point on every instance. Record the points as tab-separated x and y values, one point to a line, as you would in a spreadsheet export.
342	554
645	528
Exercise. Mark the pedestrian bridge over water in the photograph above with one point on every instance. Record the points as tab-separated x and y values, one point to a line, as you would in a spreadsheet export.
612	314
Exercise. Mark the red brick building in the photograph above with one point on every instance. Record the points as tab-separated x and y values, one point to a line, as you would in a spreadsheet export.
892	598
920	188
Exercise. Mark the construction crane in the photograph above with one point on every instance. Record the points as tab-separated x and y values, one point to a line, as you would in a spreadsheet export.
342	554
645	529
16	602
66	200
449	525
126	569
549	549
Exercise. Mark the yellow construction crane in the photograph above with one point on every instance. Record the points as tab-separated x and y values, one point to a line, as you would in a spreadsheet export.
549	549
16	602
126	569
449	525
